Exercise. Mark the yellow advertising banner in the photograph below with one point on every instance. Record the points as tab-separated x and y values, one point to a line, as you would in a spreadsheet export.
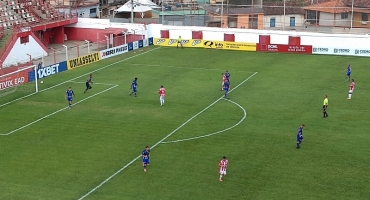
83	60
240	46
173	42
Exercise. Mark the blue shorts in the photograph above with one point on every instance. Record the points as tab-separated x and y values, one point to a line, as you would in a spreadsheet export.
145	161
348	73
69	98
134	89
226	89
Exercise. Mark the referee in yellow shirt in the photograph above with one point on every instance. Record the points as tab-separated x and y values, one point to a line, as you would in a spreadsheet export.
325	106
179	41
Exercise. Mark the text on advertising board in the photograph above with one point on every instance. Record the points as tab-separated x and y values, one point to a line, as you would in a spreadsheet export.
173	42
320	50
83	60
346	51
13	80
213	45
47	71
112	52
241	46
283	48
358	51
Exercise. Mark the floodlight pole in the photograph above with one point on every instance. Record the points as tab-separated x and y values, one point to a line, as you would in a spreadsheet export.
352	14
107	38
66	52
284	16
132	11
162	12
222	12
88	46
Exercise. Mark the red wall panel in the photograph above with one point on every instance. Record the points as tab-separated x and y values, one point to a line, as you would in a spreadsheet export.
197	35
229	37
264	39
165	34
294	40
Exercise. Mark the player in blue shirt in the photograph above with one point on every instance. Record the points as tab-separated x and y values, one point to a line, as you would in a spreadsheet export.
226	89
348	73
134	87
69	96
145	156
300	136
227	74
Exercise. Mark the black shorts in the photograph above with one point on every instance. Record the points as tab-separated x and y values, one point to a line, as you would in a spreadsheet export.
88	85
324	107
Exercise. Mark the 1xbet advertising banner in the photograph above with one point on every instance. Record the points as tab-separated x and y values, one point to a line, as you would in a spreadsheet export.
14	79
48	71
173	42
83	60
239	46
284	48
107	53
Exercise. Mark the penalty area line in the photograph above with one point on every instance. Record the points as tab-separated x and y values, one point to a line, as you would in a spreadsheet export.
58	111
101	68
160	141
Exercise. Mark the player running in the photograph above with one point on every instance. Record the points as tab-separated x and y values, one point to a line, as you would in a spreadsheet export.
300	136
351	89
88	83
134	87
223	165
162	94
145	156
69	96
348	73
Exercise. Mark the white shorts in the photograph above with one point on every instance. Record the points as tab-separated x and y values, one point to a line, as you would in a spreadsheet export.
350	92
161	97
223	172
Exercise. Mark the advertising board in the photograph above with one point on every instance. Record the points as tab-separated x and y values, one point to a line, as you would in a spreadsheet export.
145	42
238	46
173	42
48	71
107	53
344	51
135	45
284	48
83	60
15	79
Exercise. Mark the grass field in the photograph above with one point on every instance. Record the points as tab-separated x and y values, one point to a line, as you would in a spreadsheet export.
69	153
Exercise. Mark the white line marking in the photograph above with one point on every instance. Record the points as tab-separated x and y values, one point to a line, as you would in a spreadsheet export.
160	141
199	68
93	83
25	126
79	76
215	133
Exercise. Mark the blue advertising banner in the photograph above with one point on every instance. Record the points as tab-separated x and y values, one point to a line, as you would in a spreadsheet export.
150	41
130	46
141	43
48	71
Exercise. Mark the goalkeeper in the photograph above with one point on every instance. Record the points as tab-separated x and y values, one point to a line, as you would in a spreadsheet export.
88	83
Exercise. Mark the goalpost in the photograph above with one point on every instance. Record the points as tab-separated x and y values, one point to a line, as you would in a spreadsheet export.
12	82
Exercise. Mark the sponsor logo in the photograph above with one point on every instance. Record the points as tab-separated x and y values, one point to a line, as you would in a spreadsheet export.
83	60
320	50
219	45
47	71
114	51
172	41
358	51
160	41
196	42
145	42
341	50
296	49
10	82
208	44
272	47
136	45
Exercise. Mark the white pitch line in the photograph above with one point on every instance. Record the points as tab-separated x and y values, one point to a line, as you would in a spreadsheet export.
27	125
168	66
215	133
78	77
160	141
93	83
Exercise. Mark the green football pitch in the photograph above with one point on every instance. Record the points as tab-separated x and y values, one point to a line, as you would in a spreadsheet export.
92	150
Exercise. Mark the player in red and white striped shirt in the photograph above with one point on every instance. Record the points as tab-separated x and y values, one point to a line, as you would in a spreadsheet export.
224	79
351	89
162	94
223	165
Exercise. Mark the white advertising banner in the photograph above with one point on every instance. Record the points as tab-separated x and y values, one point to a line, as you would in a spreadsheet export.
136	45
107	53
145	42
345	51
